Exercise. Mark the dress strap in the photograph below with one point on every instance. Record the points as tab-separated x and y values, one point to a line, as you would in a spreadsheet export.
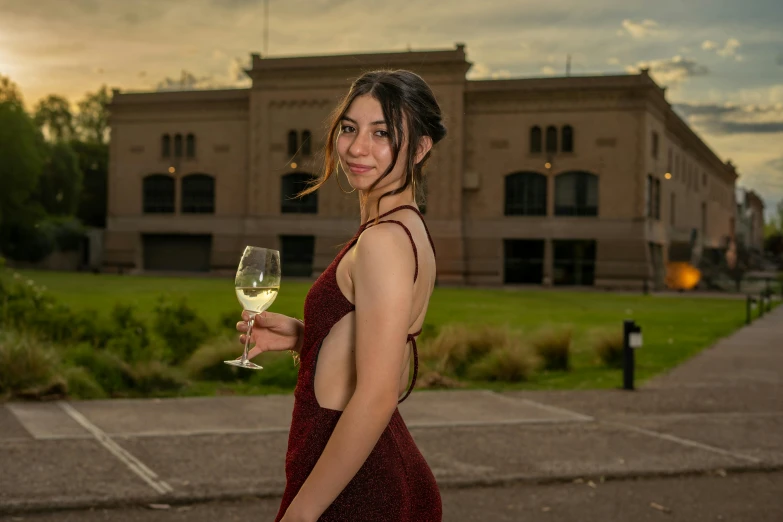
412	339
401	207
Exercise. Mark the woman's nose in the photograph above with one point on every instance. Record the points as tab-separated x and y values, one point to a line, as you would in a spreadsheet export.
360	145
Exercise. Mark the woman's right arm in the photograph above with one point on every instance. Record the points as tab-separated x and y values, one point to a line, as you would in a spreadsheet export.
272	333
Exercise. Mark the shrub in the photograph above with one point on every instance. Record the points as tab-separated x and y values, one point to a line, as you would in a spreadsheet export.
279	370
436	380
553	346
207	364
456	347
26	365
181	328
154	376
514	361
608	346
81	384
110	372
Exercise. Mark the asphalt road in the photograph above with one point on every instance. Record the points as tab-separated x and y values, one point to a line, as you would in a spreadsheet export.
742	497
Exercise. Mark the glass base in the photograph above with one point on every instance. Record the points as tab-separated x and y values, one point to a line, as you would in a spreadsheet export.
247	364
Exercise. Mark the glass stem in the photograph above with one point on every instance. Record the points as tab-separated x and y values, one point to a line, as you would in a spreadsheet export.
247	337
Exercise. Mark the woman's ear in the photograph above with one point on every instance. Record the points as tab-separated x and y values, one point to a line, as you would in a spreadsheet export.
425	144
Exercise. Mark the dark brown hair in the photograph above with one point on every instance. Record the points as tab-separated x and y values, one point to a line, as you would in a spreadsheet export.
410	110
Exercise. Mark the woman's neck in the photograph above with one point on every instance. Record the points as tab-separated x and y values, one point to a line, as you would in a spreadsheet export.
370	209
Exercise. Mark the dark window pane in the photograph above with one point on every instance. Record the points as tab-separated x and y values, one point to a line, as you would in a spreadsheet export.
296	255
198	194
523	261
525	194
178	146
190	146
551	139
165	146
535	140
574	262
568	139
290	186
576	194
292	143
158	194
307	143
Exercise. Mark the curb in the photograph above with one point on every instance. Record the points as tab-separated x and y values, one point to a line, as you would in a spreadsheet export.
66	504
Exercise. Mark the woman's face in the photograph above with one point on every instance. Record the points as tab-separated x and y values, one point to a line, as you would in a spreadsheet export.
364	147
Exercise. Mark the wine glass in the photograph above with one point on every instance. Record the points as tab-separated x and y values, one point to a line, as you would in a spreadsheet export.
256	284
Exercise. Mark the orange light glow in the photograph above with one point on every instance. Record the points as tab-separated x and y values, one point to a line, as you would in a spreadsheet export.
682	276
668	175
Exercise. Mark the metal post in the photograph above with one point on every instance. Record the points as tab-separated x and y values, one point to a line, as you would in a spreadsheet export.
628	355
761	305
748	306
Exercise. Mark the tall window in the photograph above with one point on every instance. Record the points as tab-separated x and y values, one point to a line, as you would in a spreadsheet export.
535	140
290	186
568	139
551	139
573	262
190	146
648	194
158	194
653	197
178	146
293	144
704	220
576	194
657	209
307	143
165	146
296	255
654	144
673	209
198	194
525	194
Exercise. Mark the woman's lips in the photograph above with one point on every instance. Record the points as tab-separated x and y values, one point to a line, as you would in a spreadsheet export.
357	168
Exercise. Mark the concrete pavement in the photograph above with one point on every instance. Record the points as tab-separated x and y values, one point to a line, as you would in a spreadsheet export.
721	412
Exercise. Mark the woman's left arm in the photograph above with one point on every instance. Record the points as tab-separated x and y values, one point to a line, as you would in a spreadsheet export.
382	274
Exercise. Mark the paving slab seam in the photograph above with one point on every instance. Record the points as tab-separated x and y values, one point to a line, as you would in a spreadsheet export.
685	442
539	405
132	463
174	499
702	415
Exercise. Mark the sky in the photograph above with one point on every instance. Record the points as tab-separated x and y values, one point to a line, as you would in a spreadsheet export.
721	60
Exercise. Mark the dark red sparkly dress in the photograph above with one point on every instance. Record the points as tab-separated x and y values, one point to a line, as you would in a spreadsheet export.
394	483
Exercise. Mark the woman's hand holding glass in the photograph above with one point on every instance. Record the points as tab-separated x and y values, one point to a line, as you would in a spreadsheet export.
271	332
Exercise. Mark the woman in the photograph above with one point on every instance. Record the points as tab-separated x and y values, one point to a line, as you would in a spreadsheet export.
350	455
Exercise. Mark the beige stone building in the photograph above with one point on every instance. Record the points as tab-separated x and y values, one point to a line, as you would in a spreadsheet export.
554	181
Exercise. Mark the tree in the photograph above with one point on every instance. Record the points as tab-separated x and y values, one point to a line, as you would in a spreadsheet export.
21	161
93	117
60	185
94	164
53	115
9	91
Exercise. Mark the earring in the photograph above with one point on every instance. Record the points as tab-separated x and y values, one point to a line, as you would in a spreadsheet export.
337	177
413	178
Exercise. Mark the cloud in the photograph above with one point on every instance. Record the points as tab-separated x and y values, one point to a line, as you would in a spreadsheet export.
670	71
642	29
729	49
235	77
733	118
481	71
613	61
779	59
548	70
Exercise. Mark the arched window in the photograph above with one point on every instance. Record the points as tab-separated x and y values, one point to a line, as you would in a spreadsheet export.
198	194
293	145
165	146
535	140
178	146
190	146
576	194
307	143
551	139
568	138
525	194
158	194
290	186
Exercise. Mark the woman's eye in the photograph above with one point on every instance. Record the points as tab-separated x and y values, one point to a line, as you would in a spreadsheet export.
346	128
382	134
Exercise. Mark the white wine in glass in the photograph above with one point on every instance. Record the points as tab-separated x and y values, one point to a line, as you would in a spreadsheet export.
256	285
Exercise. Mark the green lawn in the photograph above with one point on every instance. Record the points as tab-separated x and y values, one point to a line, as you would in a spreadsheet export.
675	327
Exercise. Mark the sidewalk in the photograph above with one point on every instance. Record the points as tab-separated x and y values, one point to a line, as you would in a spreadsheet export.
723	410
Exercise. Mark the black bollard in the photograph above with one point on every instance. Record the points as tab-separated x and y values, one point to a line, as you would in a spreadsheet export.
761	305
632	339
749	308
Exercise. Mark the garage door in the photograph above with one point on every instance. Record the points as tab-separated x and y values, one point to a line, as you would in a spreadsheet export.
177	252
